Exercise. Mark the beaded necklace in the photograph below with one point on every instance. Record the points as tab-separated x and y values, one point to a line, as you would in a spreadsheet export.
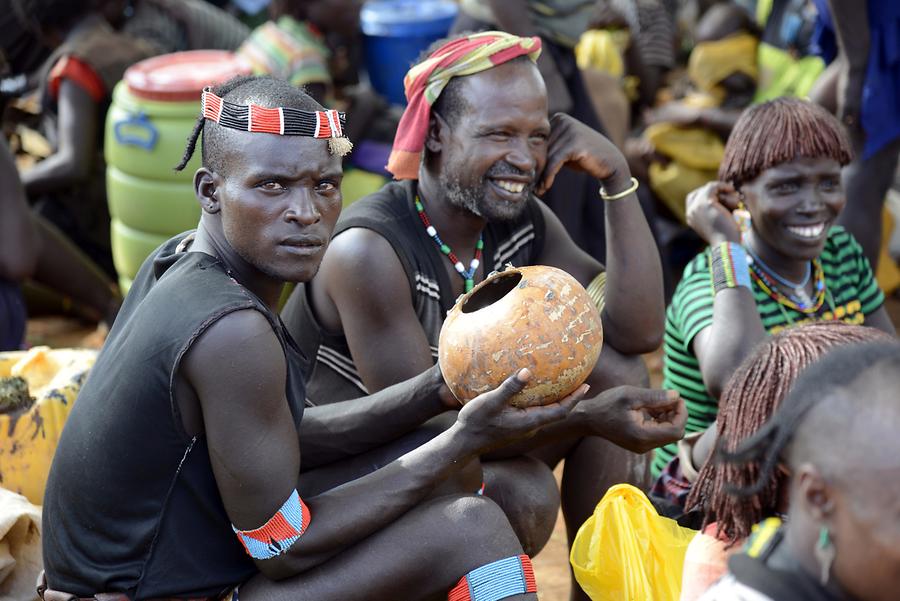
467	275
768	285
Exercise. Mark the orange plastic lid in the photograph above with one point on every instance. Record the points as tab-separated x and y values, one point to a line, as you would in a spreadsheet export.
181	76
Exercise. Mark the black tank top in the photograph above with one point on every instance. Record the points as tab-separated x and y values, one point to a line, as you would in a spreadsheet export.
391	213
131	503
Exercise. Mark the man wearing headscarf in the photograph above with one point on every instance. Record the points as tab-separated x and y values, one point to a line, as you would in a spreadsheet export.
473	148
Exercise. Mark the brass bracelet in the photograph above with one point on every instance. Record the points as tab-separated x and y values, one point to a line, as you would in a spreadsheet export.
611	197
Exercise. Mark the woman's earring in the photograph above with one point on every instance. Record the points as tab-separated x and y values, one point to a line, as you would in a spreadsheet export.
825	553
742	216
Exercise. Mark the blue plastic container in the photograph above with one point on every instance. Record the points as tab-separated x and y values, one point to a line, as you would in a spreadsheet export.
395	32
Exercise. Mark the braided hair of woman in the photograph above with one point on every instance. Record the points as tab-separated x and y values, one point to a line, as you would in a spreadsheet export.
750	398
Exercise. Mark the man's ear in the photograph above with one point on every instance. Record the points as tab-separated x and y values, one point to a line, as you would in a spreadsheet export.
815	492
205	182
436	129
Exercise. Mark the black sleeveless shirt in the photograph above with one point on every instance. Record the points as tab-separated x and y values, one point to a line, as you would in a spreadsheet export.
131	503
392	214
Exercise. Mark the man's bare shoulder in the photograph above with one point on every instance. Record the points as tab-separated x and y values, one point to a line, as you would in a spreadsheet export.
240	349
362	263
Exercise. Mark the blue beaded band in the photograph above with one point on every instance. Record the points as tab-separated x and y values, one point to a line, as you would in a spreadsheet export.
279	533
497	580
729	267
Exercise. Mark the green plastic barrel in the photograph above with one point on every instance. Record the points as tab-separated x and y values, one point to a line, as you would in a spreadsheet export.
153	112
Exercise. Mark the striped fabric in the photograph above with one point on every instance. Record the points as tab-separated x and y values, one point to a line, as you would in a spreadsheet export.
852	294
285	121
497	580
289	50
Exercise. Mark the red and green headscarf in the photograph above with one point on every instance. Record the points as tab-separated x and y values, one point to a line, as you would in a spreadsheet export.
425	82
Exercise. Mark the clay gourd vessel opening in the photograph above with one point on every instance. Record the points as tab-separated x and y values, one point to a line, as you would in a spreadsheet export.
537	317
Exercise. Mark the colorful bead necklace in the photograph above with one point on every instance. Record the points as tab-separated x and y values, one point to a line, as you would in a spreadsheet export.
770	287
467	275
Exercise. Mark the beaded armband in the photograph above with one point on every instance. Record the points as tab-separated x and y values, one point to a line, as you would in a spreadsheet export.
281	531
728	266
497	580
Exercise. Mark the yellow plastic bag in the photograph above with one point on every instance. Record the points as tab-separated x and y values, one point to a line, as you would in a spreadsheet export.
627	552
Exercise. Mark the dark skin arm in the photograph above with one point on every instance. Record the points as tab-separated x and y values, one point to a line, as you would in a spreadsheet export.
851	23
513	16
19	240
737	327
77	131
633	318
881	320
338	430
387	341
255	451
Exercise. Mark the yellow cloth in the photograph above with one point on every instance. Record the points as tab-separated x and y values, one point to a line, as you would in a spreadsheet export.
20	546
780	74
603	49
695	153
711	62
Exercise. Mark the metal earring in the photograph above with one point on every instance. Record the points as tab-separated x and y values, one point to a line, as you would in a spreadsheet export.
825	553
742	216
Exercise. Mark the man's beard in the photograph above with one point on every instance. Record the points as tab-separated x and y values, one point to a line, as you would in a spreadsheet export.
471	198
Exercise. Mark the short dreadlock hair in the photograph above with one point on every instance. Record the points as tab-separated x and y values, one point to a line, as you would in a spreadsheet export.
830	403
750	398
264	91
780	131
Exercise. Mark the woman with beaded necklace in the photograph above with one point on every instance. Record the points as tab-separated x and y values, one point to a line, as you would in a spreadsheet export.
775	258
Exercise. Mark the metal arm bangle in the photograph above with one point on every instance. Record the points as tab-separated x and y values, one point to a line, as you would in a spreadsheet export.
610	197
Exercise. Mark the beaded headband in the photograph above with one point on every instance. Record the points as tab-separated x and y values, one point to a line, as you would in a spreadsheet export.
284	121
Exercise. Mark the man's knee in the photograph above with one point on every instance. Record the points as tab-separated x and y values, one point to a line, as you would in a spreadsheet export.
616	369
526	490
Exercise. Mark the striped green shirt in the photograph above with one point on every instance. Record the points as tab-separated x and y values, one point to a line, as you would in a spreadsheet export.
851	294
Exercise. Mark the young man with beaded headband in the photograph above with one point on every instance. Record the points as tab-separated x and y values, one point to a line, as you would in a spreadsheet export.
473	147
179	472
792	265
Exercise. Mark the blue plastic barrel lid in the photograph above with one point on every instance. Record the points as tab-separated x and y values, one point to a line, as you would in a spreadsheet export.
395	18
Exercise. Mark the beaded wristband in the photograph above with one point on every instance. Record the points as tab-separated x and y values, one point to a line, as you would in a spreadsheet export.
728	266
628	191
497	580
279	533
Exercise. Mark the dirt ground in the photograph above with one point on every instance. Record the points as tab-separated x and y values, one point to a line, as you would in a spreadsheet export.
551	565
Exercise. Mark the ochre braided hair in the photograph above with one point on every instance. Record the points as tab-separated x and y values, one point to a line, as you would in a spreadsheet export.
750	398
780	131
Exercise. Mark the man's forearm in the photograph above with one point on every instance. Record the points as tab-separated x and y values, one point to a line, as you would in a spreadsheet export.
53	173
345	515
332	432
633	317
851	23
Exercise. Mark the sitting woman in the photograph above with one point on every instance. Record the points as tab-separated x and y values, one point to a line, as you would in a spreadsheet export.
792	265
753	394
836	437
